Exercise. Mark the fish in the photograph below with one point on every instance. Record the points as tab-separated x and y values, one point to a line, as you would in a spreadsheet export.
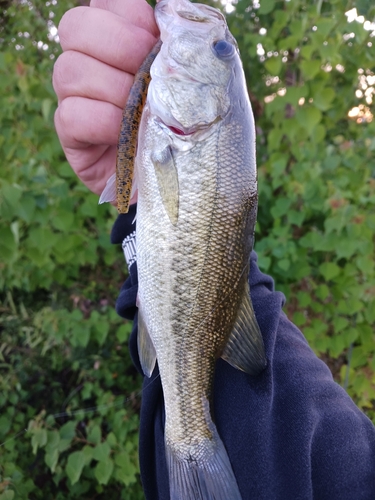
195	171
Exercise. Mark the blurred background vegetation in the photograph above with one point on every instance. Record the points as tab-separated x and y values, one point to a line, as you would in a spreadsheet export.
69	397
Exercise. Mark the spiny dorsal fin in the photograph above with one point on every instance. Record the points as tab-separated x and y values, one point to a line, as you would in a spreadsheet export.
245	349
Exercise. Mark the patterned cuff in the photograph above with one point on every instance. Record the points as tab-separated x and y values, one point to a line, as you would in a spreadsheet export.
130	249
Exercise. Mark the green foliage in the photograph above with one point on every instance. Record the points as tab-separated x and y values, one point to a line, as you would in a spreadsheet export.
68	411
67	428
69	415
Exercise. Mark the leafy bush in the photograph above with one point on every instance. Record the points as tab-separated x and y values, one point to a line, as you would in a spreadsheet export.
68	393
76	366
63	348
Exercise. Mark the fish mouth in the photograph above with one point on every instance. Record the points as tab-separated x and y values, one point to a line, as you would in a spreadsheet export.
178	129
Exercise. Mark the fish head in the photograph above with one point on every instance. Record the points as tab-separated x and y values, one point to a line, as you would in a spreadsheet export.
192	74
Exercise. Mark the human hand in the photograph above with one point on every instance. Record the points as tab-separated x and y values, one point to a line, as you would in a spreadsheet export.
103	45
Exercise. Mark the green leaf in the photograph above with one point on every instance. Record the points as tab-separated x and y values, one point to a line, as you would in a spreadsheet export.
365	264
295	217
323	98
310	68
5	425
329	270
318	133
308	117
74	466
295	93
88	452
7	495
101	331
64	444
39	439
26	208
284	264
95	435
264	262
63	221
306	52
289	43
273	65
111	439
281	207
322	292
68	430
340	323
11	194
51	459
103	471
346	248
46	108
8	244
325	25
101	451
124	331
266	6
53	440
299	318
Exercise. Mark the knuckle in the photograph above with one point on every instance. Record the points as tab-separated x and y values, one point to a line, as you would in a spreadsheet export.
59	74
70	25
64	118
100	4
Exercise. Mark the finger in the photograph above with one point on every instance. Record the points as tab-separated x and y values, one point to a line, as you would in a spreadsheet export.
76	74
105	36
93	165
80	121
137	12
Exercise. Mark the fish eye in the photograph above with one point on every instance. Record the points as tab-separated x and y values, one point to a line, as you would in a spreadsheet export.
223	48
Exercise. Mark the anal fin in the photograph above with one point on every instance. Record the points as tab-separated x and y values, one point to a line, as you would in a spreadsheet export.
245	349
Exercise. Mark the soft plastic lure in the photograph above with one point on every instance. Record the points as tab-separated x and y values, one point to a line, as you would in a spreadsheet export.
127	142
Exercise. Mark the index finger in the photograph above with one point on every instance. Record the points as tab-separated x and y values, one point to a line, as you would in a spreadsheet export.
138	12
105	36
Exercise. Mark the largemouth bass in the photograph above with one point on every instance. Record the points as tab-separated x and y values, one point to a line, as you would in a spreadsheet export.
196	212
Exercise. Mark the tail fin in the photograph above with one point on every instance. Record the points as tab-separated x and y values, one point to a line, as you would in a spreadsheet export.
203	473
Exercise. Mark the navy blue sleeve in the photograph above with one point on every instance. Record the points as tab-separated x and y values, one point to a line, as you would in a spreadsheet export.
291	433
126	302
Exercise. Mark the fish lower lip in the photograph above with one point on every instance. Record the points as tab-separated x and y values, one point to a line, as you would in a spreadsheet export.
187	132
178	131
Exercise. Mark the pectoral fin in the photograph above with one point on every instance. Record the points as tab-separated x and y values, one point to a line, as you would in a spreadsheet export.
109	192
245	349
167	178
146	349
